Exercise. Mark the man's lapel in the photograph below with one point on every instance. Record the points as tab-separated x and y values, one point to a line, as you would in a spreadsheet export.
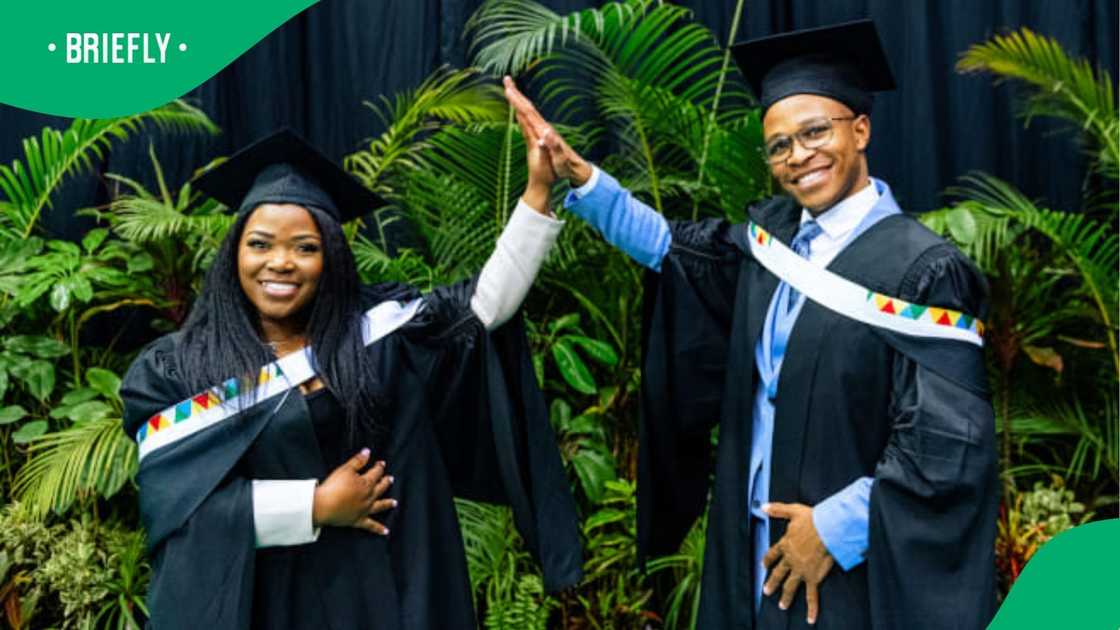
781	218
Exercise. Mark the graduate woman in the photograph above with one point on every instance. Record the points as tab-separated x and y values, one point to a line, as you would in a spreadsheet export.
302	437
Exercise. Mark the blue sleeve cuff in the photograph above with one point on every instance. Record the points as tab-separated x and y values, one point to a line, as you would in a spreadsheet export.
841	522
623	220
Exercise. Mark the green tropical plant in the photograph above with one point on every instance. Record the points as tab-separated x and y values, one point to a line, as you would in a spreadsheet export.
676	108
91	456
1029	521
77	574
1061	87
584	444
509	593
563	338
410	117
1055	278
173	237
685	568
664	98
56	155
614	595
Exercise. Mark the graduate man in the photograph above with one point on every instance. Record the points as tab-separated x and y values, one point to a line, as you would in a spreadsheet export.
837	344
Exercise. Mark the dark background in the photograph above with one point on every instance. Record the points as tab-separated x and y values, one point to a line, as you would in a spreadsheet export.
314	72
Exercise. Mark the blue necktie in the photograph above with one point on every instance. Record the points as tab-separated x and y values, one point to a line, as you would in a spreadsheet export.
809	230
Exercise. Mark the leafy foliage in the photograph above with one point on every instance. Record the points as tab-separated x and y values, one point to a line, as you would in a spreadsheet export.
448	96
506	584
55	155
91	456
1031	520
1055	278
678	113
1062	87
74	575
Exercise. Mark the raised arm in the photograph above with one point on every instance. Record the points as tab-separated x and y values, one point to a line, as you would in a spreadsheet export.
524	243
596	197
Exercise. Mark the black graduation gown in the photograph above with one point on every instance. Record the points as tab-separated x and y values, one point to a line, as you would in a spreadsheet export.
853	401
466	419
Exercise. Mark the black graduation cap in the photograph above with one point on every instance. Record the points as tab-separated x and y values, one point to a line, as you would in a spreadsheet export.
284	168
845	62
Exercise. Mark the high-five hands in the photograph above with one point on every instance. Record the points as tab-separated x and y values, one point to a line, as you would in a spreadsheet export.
565	162
349	497
799	557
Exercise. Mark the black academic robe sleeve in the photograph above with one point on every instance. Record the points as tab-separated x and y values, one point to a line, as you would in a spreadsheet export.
196	509
687	317
934	498
492	425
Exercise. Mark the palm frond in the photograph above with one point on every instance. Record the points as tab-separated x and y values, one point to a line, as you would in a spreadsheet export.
1091	246
408	266
687	566
143	217
143	220
476	156
509	35
1093	429
456	220
1066	88
491	543
90	457
455	96
658	77
55	155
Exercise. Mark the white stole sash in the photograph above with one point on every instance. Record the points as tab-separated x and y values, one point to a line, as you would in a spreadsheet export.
220	402
851	300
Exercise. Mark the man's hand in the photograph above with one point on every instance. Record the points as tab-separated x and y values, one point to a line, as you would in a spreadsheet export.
798	557
348	497
566	163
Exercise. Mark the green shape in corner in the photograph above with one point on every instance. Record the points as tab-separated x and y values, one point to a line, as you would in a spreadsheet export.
175	47
1069	583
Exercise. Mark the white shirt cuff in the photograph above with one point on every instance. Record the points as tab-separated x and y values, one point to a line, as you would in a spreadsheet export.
509	272
282	512
589	185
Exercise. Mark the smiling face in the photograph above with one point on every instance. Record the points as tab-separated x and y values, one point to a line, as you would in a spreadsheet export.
279	262
822	177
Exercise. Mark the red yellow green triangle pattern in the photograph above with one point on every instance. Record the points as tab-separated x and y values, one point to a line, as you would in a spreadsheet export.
761	236
202	402
932	314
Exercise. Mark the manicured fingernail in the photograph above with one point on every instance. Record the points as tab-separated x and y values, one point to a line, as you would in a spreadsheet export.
782	606
394	502
811	620
767	590
386	532
365	452
392	479
380	463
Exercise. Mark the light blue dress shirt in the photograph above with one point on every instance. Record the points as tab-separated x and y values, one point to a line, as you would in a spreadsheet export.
641	232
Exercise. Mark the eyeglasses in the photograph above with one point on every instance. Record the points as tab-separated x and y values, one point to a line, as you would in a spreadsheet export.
815	134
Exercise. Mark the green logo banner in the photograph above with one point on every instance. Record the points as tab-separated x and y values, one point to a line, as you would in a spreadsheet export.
1069	583
106	59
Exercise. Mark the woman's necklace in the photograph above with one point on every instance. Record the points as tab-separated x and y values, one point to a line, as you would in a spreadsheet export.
287	346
